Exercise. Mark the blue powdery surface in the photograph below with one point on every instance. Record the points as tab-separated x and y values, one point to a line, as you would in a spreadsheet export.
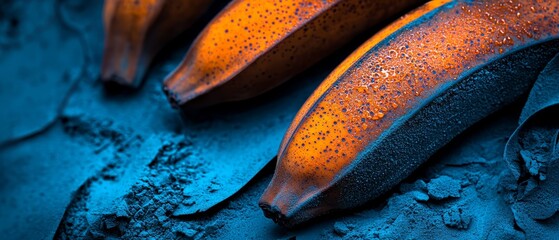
124	164
475	199
443	187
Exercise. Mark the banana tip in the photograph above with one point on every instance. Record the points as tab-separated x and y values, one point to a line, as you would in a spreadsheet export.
172	97
288	205
118	80
275	214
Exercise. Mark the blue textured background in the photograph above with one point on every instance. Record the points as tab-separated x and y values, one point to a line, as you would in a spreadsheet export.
77	160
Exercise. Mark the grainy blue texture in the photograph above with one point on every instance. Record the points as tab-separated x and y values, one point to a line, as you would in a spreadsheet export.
124	164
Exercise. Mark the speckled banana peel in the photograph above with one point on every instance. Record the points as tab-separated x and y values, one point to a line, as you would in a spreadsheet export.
253	46
135	30
403	95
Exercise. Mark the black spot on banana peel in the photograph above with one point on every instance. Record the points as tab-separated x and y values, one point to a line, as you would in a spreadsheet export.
136	30
253	46
403	95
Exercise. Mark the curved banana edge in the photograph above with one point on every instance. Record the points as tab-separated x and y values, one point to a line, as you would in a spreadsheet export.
303	189
539	111
253	46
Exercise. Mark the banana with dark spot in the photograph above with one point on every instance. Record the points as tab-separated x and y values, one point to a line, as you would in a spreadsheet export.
254	45
403	95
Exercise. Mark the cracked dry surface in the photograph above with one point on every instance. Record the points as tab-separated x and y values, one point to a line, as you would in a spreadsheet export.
33	71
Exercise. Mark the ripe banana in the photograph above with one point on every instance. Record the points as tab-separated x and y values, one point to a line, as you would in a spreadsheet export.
254	45
136	30
404	94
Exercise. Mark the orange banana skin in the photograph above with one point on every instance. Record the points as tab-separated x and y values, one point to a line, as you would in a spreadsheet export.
254	45
404	94
136	30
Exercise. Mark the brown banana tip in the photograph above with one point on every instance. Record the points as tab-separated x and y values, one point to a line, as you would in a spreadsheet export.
115	80
119	85
172	97
275	214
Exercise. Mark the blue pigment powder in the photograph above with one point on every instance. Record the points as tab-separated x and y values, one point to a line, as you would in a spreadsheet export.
83	162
